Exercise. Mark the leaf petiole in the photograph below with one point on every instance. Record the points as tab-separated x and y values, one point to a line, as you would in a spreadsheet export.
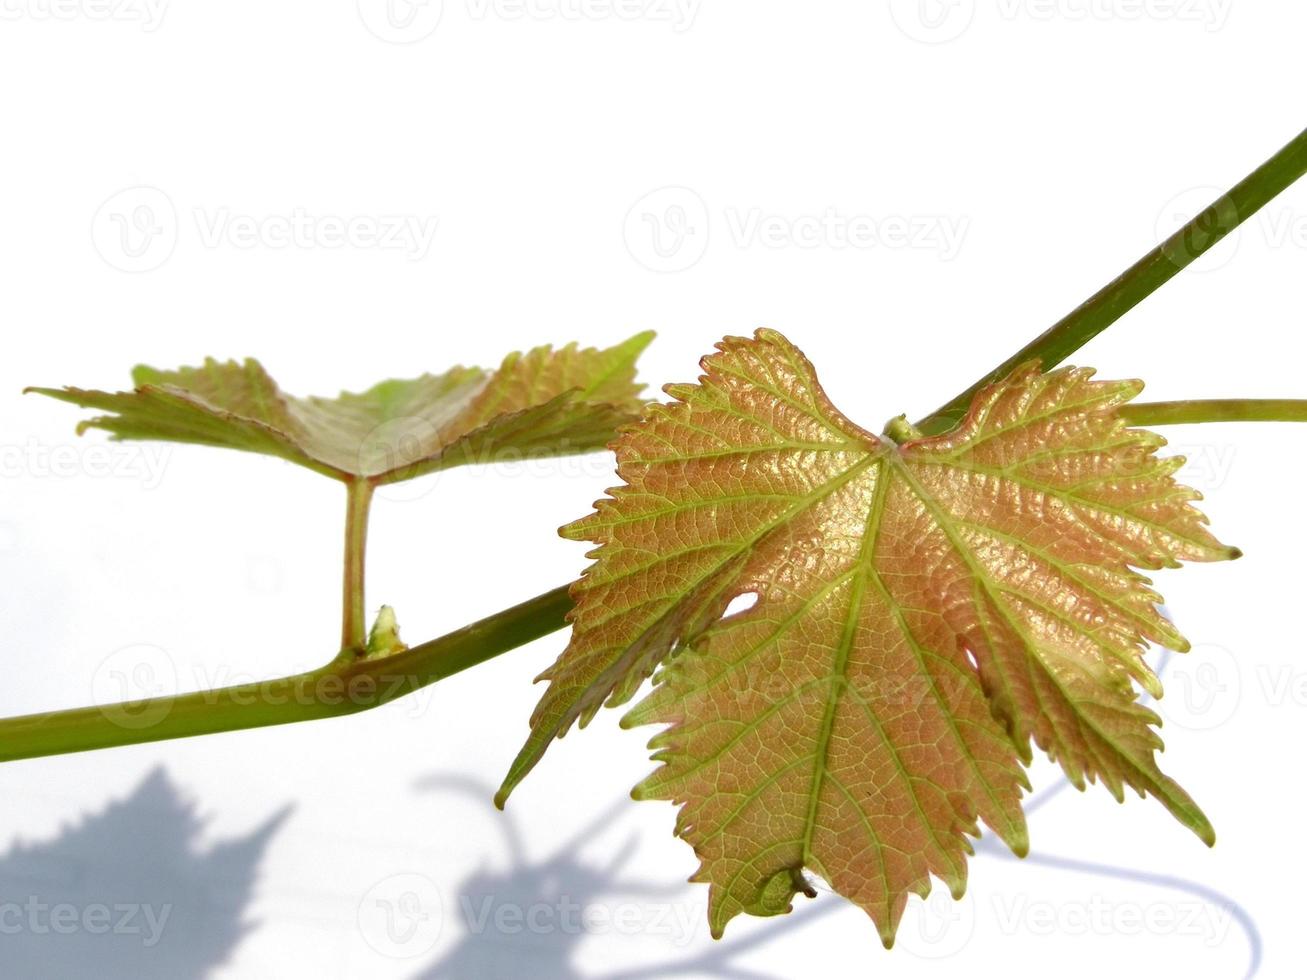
353	625
1142	279
353	683
1216	410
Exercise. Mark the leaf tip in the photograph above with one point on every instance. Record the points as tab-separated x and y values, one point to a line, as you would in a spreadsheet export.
640	341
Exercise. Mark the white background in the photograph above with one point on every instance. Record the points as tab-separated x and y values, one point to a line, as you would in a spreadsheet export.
1031	149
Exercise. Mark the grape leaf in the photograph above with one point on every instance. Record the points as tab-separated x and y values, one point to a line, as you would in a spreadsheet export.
543	403
924	609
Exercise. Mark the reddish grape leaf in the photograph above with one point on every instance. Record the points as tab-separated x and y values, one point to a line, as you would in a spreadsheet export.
925	608
543	403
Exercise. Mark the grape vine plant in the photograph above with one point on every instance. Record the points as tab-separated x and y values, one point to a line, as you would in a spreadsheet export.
855	641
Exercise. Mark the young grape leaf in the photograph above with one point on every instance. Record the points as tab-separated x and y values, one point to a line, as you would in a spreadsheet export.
543	403
923	609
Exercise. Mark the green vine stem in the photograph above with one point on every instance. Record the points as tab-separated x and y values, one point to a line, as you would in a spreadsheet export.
346	685
352	683
1142	279
1216	410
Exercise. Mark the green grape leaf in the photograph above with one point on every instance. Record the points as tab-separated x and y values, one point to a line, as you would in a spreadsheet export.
542	403
923	610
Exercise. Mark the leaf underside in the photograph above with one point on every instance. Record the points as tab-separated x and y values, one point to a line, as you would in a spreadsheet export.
923	612
542	403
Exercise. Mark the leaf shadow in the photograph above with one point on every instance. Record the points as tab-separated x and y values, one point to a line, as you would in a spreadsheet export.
552	956
551	953
128	892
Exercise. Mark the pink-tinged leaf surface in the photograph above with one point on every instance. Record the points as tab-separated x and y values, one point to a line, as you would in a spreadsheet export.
924	611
